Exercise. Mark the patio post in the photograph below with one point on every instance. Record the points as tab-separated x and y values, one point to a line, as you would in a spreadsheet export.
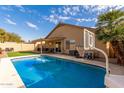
42	43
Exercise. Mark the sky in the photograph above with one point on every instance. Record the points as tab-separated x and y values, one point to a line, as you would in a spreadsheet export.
33	21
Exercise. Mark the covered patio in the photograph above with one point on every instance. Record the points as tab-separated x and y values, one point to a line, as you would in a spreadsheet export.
53	45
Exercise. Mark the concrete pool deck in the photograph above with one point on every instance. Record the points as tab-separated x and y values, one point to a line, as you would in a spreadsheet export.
9	78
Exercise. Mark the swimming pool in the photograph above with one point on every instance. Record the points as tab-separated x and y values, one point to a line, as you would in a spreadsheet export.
52	72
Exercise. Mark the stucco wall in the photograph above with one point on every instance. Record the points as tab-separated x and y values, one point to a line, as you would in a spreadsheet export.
70	33
102	46
18	46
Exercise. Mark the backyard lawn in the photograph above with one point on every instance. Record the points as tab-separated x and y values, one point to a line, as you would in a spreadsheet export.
14	54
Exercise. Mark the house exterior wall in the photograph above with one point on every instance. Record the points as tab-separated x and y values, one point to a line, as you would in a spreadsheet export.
70	33
77	34
102	46
18	46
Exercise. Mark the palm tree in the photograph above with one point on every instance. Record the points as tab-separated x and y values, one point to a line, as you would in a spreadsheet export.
110	28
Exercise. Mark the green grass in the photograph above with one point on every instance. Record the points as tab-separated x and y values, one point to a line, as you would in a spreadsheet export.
14	54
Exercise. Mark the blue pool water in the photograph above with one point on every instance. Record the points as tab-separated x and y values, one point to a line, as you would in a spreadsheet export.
52	72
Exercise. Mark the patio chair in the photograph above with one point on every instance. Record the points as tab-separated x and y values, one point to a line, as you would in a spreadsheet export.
72	52
77	55
89	55
7	49
11	49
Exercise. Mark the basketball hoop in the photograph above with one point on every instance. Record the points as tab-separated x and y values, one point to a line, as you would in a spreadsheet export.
89	44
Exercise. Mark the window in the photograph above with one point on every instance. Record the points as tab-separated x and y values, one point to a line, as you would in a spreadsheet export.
69	43
72	41
89	39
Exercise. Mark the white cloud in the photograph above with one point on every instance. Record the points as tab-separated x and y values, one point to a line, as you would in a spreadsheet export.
26	10
10	21
31	25
70	10
76	13
21	8
51	18
53	11
6	8
63	17
8	15
66	10
54	18
86	19
81	9
98	9
67	13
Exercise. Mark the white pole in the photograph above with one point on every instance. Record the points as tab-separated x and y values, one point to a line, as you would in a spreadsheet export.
106	58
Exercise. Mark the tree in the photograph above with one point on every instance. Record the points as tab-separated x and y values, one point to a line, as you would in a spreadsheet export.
14	37
2	35
110	28
9	37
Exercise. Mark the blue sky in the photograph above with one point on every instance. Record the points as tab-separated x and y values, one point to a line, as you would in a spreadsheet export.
33	22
